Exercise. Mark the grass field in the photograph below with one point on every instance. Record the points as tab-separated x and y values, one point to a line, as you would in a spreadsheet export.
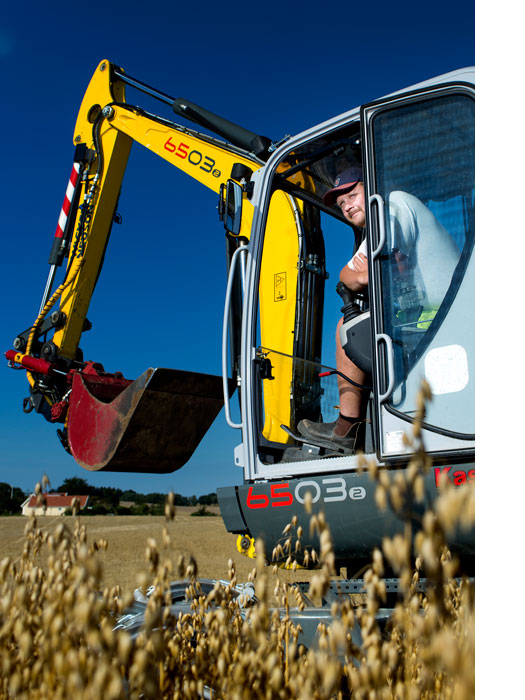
206	538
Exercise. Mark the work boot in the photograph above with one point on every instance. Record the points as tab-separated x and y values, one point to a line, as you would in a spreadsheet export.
339	433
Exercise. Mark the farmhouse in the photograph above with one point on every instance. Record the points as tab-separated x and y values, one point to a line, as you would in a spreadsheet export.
54	504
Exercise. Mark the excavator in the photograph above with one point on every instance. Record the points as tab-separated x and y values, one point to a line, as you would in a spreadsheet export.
414	322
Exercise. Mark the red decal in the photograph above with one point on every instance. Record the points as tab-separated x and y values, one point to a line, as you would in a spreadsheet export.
181	152
457	478
256	501
438	472
169	146
286	495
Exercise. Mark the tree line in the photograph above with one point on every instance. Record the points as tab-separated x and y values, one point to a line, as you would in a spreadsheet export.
11	499
104	499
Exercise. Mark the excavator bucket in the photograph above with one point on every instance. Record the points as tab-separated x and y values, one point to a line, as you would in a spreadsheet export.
154	424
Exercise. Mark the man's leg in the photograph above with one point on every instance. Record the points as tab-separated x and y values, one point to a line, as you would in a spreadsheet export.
352	399
348	429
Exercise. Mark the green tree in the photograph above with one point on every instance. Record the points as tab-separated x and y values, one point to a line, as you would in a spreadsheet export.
209	499
11	499
141	509
129	495
107	495
202	511
75	486
159	498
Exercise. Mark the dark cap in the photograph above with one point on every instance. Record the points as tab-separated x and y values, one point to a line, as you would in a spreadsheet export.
343	183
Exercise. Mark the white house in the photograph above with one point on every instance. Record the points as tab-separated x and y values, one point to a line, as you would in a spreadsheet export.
55	504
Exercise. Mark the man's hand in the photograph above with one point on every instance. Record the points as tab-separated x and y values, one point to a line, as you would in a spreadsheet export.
356	279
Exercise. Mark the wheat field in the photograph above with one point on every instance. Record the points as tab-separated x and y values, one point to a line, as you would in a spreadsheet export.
66	582
204	538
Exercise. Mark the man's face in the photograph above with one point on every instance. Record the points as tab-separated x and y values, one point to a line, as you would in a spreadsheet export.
352	204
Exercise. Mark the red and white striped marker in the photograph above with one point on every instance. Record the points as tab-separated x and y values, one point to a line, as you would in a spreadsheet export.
68	199
57	250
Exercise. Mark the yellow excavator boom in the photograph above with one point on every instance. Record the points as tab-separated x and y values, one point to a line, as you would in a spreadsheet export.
105	130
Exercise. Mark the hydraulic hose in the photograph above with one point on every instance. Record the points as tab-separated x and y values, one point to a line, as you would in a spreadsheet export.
50	303
48	306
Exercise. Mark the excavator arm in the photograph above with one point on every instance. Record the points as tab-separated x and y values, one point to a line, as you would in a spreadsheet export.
107	127
110	422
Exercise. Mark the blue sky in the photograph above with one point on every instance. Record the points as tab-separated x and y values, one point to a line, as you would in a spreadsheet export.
276	68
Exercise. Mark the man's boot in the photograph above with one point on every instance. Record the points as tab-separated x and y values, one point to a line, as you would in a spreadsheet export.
344	432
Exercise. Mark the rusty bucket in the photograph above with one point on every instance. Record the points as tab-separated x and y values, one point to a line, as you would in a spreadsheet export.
153	425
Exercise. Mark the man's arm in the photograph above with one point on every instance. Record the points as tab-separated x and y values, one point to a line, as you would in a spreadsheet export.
355	277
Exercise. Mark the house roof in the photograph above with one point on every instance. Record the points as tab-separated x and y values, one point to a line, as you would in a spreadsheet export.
57	500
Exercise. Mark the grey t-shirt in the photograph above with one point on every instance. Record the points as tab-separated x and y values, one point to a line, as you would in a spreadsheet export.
430	251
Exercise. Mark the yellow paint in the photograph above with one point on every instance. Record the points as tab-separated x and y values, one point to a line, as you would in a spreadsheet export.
277	298
250	552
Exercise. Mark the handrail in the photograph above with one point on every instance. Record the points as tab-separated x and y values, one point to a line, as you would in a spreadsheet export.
390	365
381	223
233	265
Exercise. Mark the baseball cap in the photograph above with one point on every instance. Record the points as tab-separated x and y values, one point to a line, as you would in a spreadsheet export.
344	182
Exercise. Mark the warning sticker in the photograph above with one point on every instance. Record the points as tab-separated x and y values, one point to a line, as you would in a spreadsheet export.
279	286
394	441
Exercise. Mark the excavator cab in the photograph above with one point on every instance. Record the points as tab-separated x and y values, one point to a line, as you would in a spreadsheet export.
414	322
416	318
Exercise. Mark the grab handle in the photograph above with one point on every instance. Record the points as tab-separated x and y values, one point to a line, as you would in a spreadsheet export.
389	364
227	302
377	199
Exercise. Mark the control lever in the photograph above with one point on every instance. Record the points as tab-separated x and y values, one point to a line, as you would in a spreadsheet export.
349	309
355	333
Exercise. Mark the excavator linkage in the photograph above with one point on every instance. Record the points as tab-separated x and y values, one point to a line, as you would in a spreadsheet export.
154	424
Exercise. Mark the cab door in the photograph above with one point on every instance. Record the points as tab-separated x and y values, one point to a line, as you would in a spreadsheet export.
419	160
